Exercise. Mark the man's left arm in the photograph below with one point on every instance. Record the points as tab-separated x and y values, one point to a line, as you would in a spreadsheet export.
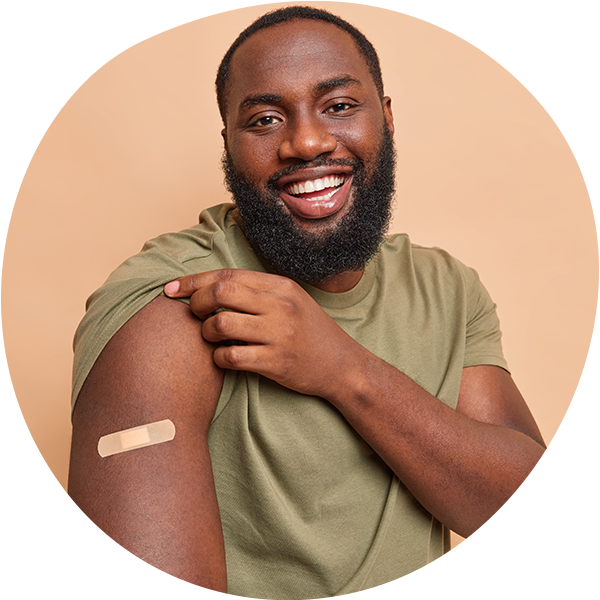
461	465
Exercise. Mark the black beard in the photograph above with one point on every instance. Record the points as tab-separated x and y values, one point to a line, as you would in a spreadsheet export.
316	257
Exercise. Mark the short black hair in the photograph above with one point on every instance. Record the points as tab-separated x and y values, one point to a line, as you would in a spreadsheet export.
283	15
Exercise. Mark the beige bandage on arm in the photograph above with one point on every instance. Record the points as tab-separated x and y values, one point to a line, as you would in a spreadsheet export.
136	437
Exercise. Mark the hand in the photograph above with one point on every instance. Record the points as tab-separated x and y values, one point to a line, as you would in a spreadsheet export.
289	337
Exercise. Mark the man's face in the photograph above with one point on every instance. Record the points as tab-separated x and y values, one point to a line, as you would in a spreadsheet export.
308	148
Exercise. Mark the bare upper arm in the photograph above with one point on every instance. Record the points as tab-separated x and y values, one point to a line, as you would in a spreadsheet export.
489	394
158	501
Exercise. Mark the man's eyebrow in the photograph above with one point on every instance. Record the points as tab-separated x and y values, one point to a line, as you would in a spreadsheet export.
342	81
252	101
320	88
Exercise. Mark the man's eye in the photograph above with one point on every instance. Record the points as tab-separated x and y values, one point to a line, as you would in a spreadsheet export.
265	121
339	107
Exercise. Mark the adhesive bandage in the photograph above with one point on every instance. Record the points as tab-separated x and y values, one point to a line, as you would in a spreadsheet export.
136	437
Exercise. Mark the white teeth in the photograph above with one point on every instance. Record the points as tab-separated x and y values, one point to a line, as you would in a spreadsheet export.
325	197
316	185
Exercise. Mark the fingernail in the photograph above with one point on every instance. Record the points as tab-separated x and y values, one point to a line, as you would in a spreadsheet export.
172	288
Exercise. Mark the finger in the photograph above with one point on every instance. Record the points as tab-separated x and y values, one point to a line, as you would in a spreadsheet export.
228	294
229	325
185	286
241	358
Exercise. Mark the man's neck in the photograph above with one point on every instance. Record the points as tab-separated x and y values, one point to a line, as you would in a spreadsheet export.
340	283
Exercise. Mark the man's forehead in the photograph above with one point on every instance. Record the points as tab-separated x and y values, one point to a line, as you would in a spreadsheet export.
295	37
296	47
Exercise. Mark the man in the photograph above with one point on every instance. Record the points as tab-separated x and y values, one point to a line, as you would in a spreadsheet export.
338	401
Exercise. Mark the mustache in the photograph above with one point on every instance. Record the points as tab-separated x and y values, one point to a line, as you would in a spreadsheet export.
356	165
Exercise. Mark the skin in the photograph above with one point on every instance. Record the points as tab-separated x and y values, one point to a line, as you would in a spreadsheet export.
159	502
285	109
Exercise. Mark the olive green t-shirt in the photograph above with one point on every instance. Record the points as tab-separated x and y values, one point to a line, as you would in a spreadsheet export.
308	509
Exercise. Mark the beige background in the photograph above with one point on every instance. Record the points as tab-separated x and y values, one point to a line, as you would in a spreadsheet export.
483	171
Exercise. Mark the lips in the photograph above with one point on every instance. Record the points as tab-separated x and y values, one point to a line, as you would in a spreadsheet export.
317	197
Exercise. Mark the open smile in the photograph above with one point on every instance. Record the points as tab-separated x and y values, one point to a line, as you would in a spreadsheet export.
310	189
317	198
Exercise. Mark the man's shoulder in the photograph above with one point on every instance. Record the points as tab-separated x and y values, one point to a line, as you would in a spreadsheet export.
197	241
215	242
399	248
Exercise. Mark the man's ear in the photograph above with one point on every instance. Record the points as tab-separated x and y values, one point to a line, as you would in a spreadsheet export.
387	113
224	136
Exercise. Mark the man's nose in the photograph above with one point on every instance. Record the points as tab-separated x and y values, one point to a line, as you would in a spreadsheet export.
306	139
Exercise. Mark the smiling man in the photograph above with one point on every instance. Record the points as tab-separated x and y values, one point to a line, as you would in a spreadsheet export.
314	195
337	398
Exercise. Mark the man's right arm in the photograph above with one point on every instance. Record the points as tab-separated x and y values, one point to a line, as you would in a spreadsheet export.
159	501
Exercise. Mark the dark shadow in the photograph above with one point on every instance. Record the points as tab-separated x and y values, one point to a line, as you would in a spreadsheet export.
16	146
19	76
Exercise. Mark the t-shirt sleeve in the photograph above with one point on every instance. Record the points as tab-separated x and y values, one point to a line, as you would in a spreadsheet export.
483	336
129	288
216	242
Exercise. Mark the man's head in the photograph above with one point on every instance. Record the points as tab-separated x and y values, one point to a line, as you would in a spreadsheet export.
284	15
309	155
